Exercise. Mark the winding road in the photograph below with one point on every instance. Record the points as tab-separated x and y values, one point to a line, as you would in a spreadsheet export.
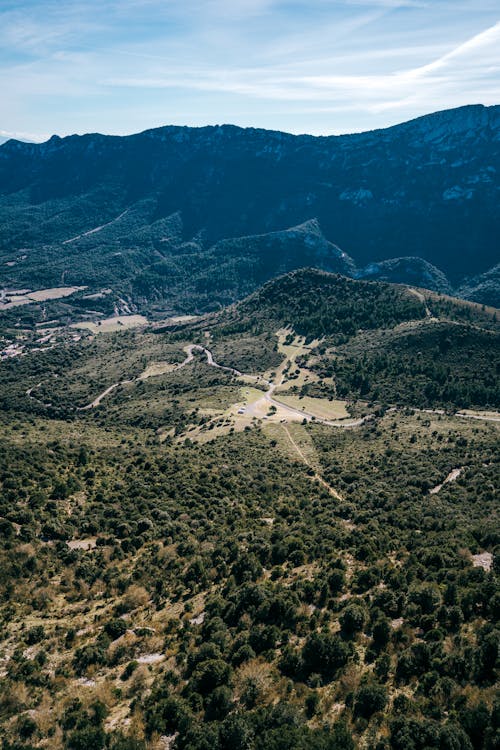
251	409
189	349
210	360
255	408
267	398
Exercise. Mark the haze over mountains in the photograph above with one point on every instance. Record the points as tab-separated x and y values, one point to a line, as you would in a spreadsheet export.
193	218
5	138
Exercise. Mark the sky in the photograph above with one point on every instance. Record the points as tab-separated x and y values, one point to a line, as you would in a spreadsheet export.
302	66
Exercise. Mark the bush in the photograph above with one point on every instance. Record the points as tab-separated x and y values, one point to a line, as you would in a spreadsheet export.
336	581
219	703
381	633
312	704
116	628
235	733
35	635
353	619
166	714
409	734
86	738
85	656
370	699
129	670
26	727
119	742
209	675
324	654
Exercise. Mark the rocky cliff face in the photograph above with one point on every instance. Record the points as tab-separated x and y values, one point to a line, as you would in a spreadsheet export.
177	197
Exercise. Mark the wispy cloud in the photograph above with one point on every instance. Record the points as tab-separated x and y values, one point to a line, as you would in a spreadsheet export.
487	39
6	135
463	63
390	3
290	64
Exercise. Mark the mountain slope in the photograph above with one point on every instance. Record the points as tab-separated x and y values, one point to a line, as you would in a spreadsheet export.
407	270
378	341
426	189
483	288
315	303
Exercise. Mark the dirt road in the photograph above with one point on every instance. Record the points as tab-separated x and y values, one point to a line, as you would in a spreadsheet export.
316	476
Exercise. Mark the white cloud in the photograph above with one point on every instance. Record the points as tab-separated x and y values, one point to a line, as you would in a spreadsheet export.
477	57
390	3
488	39
70	66
5	135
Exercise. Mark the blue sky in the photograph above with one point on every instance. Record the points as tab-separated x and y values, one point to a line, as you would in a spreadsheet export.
315	66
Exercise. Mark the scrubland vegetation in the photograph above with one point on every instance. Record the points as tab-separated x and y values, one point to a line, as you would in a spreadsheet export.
285	586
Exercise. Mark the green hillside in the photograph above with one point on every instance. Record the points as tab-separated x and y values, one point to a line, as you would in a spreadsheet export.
269	528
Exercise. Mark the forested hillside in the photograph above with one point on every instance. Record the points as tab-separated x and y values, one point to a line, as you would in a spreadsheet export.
271	528
186	219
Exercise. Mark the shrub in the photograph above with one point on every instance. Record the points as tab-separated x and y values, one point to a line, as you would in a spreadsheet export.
219	703
115	628
370	699
86	738
324	654
209	675
352	620
35	635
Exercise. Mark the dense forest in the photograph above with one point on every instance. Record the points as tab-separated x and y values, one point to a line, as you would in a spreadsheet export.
318	304
449	365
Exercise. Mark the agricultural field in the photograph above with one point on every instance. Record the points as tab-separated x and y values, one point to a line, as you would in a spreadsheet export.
116	323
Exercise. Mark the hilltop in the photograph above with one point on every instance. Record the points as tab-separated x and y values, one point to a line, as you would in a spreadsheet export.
364	341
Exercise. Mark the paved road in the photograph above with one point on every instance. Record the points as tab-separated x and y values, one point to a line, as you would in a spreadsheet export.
189	349
255	408
210	360
268	398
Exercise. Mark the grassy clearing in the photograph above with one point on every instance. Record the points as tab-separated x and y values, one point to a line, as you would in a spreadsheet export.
116	323
156	369
297	378
318	407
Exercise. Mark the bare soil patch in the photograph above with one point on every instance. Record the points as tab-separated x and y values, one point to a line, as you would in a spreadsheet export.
483	560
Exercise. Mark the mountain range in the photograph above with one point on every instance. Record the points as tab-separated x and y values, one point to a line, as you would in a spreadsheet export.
191	219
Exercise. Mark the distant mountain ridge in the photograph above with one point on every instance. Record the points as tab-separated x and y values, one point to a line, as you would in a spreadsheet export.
194	218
